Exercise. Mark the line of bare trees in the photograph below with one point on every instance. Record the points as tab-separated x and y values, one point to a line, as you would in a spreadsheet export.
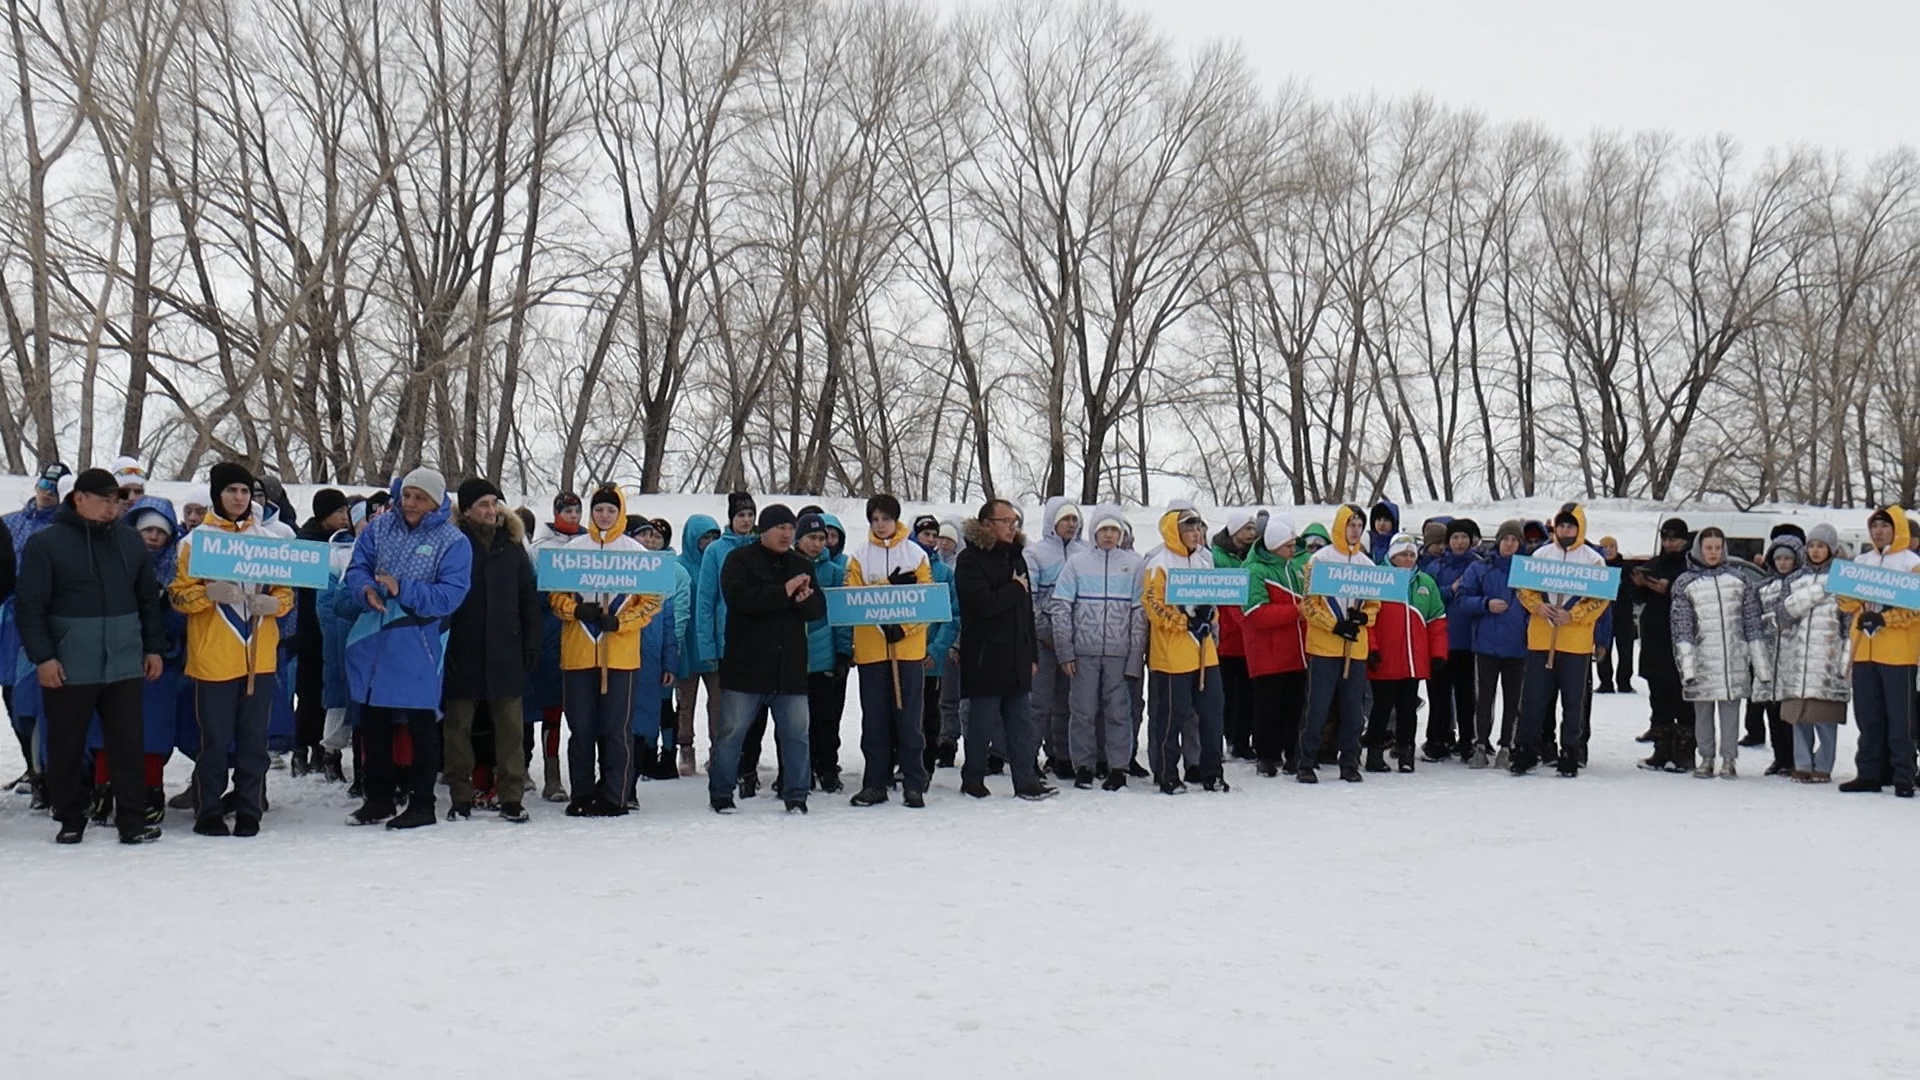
830	247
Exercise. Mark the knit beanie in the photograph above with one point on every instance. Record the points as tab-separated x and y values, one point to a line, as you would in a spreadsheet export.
328	502
1434	533
472	490
564	501
1464	525
774	516
427	481
739	501
223	476
97	482
1510	527
604	496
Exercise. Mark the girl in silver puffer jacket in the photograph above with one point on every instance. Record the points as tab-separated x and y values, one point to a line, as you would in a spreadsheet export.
1805	659
1712	627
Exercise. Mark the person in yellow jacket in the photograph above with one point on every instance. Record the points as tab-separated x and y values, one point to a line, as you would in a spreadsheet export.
1183	656
1886	650
891	660
233	639
1336	638
599	663
1559	651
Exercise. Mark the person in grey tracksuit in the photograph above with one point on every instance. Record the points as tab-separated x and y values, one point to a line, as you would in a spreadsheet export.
1100	639
1046	557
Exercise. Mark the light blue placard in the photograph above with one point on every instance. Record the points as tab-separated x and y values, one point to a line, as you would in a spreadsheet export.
1356	581
219	555
1221	587
1874	584
1575	579
618	572
882	605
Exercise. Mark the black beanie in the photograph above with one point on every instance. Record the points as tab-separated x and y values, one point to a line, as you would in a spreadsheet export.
1676	528
97	482
327	502
223	476
1464	525
665	529
775	516
607	495
739	501
472	490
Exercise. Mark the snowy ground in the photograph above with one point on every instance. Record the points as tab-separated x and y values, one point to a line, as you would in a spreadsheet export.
1451	923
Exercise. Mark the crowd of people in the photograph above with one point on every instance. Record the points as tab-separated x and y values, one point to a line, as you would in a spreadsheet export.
433	658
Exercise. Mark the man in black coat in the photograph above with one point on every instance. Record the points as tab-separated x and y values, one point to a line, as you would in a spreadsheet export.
88	611
998	654
1670	726
771	596
492	644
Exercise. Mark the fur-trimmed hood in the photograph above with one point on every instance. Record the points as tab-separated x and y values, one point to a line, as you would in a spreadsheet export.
979	534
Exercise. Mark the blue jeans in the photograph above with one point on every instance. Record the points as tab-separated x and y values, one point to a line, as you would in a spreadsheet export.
1810	758
738	709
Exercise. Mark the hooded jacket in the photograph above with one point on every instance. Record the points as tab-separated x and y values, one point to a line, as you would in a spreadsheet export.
1503	634
1449	572
1275	631
1172	649
873	561
218	635
586	645
710	602
1898	642
1324	612
1378	543
1803	652
826	643
494	638
394	658
1713	623
1046	557
88	598
687	587
1094	610
1409	638
1577	636
997	644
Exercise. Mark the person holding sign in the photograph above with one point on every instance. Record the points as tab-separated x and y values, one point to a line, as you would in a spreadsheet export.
1336	634
1886	648
233	642
889	660
409	573
1183	661
1101	641
599	661
1560	630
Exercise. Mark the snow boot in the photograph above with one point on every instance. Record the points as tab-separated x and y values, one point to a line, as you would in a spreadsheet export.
1523	761
1861	784
1569	766
1217	784
331	769
799	806
1377	759
301	764
830	782
749	785
581	807
996	765
1903	791
139	834
514	812
975	788
70	832
212	825
1431	752
913	799
1406	759
1350	773
722	804
156	805
1038	792
1137	770
868	797
371	812
1307	775
1170	784
37	791
554	790
1083	779
102	808
460	811
419	812
949	750
1267	768
245	825
1116	779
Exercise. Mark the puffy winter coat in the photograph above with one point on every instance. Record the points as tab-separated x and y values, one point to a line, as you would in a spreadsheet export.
1324	612
1449	572
1232	619
1803	652
1408	639
494	638
687	589
586	645
1046	557
1275	631
766	648
942	636
659	653
1172	648
1576	636
394	659
1898	642
222	637
1378	543
827	644
997	644
874	561
1504	634
1712	626
1094	611
709	602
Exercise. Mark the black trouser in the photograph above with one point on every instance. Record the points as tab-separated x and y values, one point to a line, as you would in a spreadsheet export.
1236	717
1554	678
376	728
930	719
1669	717
1779	734
1336	690
230	717
1507	674
309	710
1883	706
69	710
826	700
1278	701
1617	672
1395	715
1450	701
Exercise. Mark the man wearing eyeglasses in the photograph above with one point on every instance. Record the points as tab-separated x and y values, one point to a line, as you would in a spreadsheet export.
998	651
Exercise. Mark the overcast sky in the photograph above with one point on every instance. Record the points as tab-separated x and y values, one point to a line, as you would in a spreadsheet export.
1838	73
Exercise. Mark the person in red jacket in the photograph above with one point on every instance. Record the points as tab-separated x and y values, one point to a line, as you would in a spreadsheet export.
1408	638
1276	643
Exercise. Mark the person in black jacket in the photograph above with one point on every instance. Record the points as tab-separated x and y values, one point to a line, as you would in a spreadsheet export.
330	516
771	596
1670	729
492	645
88	611
998	655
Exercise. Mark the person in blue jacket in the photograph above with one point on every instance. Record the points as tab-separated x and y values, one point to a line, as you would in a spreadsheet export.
940	636
1451	689
829	654
1383	524
696	536
410	572
1499	644
710	632
17	682
659	656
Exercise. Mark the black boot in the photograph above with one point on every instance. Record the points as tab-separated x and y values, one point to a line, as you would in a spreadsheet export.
1524	760
1307	775
1268	768
1406	759
331	770
419	812
1350	768
1083	779
71	832
1116	779
943	759
1377	759
300	763
868	797
156	805
102	807
1137	770
371	812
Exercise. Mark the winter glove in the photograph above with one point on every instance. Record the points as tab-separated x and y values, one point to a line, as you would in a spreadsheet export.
586	613
225	592
902	577
1373	660
1871	622
1204	613
893	634
609	622
1358	616
1347	629
1199	626
263	605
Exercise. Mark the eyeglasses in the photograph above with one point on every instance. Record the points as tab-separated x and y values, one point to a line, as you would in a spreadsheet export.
1005	521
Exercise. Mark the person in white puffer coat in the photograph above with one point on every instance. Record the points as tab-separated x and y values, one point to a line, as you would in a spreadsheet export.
1804	659
1712	626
